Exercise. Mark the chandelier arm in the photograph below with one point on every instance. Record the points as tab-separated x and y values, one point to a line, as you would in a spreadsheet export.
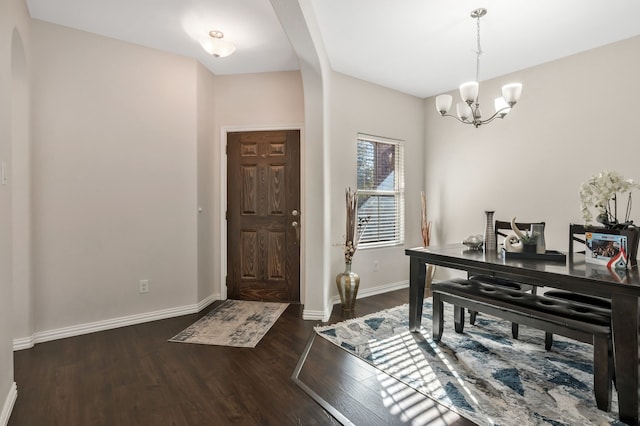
475	121
497	113
453	116
493	117
489	120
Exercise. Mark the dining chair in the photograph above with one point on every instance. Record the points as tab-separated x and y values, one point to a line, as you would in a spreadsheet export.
577	234
502	229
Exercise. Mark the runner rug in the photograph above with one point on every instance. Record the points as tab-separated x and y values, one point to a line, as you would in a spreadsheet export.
483	374
237	323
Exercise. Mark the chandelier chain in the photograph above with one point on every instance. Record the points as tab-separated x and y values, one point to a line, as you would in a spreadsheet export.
479	51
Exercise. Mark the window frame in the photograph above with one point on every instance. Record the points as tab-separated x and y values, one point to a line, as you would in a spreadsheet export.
398	192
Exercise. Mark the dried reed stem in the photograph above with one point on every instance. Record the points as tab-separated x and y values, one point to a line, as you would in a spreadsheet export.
425	225
351	241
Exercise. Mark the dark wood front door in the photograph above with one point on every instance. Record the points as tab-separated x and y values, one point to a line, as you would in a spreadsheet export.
263	215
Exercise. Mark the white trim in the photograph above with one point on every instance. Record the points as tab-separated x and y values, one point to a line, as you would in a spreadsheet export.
318	315
23	343
314	315
324	316
9	402
223	212
385	288
93	327
223	196
207	301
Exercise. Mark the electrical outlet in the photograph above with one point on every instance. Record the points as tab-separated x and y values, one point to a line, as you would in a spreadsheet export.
144	286
376	266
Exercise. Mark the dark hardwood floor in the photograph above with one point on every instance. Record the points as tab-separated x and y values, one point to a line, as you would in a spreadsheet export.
134	376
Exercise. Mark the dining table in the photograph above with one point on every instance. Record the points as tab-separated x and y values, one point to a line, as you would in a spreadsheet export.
570	272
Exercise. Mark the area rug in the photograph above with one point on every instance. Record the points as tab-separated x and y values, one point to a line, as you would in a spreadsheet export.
483	374
237	323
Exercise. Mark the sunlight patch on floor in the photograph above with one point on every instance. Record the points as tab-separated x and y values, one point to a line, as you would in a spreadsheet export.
402	353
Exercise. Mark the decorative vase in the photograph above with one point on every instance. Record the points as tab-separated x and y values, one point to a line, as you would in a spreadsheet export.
348	283
490	240
538	229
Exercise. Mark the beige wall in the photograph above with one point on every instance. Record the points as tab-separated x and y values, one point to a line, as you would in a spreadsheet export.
114	161
21	189
359	106
207	251
264	99
128	174
14	144
575	118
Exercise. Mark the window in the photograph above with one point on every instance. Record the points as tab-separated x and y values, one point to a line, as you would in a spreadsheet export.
380	191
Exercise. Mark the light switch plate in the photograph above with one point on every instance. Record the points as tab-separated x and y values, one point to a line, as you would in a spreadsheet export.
3	173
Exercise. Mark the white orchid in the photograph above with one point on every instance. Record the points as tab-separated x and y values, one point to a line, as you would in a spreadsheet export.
600	191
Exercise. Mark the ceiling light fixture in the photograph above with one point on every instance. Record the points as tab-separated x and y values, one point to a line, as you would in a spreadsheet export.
469	110
216	46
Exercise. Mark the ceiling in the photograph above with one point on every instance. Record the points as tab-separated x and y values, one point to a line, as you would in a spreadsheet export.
420	47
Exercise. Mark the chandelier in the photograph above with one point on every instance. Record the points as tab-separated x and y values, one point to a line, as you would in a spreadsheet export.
468	111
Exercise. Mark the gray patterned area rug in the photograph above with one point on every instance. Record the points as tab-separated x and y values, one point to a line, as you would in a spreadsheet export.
483	374
237	323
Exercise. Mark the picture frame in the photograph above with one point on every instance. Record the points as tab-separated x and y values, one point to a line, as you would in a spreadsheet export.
633	238
608	250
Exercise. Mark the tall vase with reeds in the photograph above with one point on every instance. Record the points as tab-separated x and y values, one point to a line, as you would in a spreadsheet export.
425	227
348	281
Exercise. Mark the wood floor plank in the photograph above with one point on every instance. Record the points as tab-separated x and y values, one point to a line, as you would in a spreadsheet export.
389	401
134	376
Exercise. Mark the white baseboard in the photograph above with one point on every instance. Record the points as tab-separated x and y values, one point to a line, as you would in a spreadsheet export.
77	330
9	401
324	315
23	343
308	314
207	301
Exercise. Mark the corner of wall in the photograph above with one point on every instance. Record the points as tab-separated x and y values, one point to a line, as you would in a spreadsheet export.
9	402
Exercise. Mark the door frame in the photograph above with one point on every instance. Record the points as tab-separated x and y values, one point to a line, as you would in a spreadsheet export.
223	195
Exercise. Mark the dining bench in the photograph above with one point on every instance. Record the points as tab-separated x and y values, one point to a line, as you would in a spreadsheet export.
585	323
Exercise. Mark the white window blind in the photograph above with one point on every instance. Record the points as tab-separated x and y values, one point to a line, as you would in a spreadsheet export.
380	191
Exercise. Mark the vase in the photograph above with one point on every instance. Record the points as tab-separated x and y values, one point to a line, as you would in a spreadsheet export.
490	240
538	229
348	283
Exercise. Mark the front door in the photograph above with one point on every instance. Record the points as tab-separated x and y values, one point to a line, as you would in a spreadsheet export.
263	215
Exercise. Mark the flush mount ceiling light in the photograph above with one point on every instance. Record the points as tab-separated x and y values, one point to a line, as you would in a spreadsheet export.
216	46
469	110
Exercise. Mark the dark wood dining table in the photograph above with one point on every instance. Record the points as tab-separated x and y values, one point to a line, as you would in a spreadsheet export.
573	274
